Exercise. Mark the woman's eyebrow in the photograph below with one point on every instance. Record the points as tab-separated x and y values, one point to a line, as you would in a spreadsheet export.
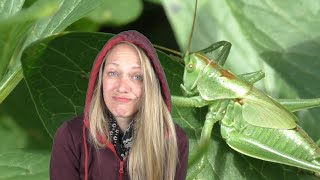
136	67
112	63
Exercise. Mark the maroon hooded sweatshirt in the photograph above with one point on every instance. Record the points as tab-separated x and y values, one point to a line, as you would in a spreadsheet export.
74	158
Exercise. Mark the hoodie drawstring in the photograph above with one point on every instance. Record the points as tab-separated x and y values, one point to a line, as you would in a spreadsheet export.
85	152
86	156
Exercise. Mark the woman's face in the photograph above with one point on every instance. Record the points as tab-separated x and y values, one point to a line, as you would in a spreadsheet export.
122	81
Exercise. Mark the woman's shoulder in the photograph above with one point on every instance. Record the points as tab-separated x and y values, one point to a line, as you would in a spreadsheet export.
67	149
183	152
71	128
74	124
181	134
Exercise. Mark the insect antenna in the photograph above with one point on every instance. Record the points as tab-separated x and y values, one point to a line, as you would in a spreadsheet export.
174	54
192	28
168	50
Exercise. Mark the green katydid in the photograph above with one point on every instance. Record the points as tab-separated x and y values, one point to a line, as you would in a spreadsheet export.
252	122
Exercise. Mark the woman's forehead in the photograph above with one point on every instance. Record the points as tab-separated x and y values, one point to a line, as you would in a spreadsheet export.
123	53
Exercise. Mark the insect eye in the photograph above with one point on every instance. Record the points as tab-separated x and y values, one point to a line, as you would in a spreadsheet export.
190	67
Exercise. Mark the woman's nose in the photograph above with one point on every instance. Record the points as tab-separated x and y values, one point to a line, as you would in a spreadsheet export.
123	85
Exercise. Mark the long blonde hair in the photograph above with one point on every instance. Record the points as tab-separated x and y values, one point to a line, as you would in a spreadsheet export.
154	152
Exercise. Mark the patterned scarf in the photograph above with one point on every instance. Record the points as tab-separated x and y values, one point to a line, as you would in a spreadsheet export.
122	142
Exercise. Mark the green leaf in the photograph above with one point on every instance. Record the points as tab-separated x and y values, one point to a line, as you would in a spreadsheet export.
260	31
214	22
12	136
237	22
69	12
57	76
154	1
288	40
24	165
16	36
10	7
20	125
85	24
14	28
224	163
117	13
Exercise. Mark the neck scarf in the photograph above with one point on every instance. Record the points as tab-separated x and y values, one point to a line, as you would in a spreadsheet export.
122	141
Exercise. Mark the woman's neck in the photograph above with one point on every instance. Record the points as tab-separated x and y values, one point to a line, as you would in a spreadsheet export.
123	123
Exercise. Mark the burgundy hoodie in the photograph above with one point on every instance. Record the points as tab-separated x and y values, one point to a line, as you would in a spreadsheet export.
74	158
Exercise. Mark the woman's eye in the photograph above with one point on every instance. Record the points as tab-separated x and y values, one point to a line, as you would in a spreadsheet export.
137	77
111	74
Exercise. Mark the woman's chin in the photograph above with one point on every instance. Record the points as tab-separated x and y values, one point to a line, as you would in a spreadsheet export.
123	113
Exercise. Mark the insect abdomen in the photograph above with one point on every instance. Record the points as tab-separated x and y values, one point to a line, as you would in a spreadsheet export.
292	147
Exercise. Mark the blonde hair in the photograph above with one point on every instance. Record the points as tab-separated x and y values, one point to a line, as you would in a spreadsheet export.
154	152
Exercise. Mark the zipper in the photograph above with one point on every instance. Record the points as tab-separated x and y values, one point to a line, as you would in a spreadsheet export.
121	170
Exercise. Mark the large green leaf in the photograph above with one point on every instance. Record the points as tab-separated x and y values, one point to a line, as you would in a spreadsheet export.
250	27
57	75
57	69
12	136
24	165
118	13
271	31
20	125
14	27
9	7
24	27
286	36
215	22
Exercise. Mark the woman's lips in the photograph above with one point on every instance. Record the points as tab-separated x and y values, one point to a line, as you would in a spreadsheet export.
122	99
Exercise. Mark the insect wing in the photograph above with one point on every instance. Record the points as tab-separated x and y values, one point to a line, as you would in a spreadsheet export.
261	110
212	85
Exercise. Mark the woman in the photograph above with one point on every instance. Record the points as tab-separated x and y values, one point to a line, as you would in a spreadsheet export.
126	131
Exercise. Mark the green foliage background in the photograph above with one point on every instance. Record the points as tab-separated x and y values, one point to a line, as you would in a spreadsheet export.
279	37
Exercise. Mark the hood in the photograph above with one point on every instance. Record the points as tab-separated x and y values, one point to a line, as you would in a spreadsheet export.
139	40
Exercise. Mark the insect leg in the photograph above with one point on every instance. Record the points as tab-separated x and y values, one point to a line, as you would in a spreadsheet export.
222	57
215	113
299	104
194	101
252	77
